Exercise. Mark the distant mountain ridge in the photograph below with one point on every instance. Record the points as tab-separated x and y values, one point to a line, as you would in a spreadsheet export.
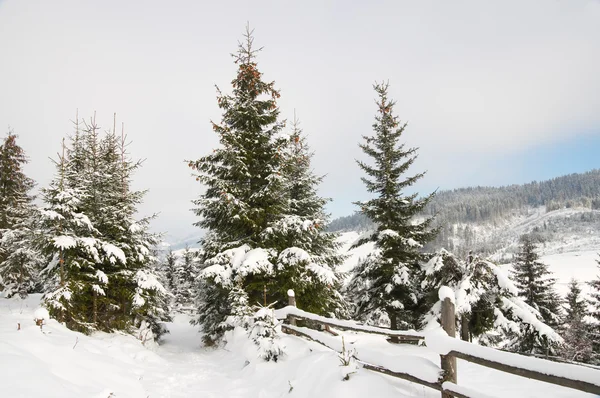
487	219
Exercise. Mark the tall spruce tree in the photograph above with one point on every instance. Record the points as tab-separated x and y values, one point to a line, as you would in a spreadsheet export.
19	259
385	287
258	239
536	287
243	192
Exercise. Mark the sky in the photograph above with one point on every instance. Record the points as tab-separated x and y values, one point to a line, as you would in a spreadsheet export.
494	93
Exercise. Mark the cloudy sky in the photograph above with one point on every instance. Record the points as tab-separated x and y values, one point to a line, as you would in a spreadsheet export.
494	92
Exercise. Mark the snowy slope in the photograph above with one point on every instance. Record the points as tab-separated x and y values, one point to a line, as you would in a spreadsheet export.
57	362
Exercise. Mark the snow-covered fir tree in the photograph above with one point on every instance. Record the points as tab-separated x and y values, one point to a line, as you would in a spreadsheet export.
68	239
19	260
488	306
385	287
595	313
308	255
575	329
536	287
105	281
186	272
169	269
257	237
264	334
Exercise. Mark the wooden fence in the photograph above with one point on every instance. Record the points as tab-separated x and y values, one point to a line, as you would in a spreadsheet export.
567	375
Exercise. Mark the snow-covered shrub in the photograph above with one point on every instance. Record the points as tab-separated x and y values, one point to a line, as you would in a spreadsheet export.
264	334
241	313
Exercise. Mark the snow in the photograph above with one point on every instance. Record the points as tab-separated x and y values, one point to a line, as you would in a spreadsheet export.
98	290
114	253
581	265
255	261
64	242
467	392
445	292
51	214
503	280
388	233
59	363
101	276
441	343
413	365
526	314
41	313
148	281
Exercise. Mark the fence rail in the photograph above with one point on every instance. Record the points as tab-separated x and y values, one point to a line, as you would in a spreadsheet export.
450	349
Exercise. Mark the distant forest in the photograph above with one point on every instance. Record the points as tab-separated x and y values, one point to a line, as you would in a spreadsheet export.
489	205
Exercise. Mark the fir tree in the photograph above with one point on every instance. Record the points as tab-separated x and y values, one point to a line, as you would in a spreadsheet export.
19	259
106	281
265	336
170	271
576	331
185	276
385	287
535	285
68	240
265	231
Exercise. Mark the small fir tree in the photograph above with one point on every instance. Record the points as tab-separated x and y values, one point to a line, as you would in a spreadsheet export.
264	334
385	287
536	287
170	271
595	313
575	330
19	259
186	274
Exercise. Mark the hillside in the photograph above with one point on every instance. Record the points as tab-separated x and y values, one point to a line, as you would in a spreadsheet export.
563	213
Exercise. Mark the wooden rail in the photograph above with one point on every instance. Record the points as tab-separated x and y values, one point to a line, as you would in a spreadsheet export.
566	375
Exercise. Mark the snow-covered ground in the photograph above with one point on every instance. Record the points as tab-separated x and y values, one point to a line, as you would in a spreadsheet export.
57	362
581	265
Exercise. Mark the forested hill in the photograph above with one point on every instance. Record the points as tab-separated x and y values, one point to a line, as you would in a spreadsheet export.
481	204
488	219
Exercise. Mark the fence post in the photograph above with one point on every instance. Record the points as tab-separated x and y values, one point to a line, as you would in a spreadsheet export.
449	326
292	302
